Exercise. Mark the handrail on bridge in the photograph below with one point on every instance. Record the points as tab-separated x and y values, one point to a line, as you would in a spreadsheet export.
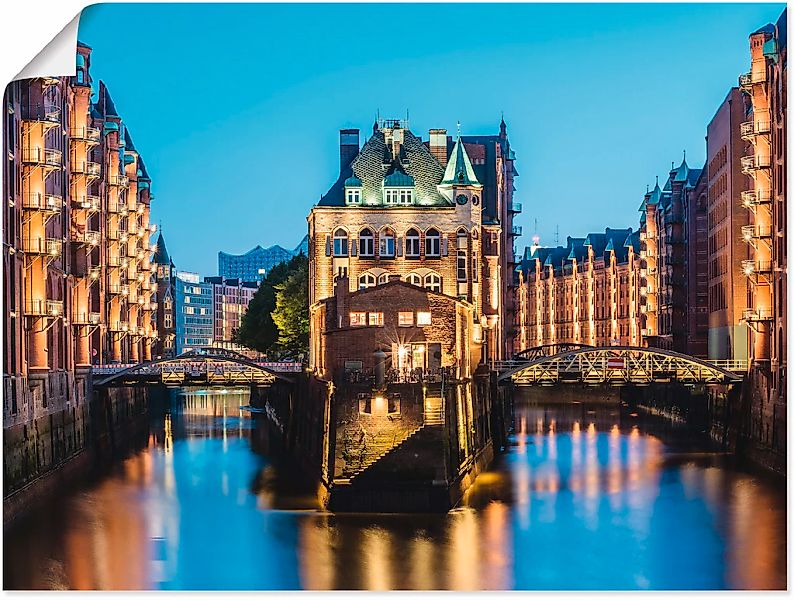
617	365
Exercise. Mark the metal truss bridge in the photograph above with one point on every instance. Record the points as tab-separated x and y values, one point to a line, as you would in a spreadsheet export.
617	366
203	366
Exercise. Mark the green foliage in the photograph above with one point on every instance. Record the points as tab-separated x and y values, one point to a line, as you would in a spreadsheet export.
291	315
258	330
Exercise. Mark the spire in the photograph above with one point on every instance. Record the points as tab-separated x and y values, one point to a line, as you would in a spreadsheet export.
459	169
161	252
503	127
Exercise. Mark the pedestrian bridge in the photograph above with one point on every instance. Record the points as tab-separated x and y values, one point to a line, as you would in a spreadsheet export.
202	366
617	366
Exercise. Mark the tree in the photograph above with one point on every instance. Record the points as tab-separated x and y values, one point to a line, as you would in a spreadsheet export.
291	315
257	328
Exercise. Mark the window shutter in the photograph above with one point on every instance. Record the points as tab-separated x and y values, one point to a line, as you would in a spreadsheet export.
328	245
444	250
399	246
353	247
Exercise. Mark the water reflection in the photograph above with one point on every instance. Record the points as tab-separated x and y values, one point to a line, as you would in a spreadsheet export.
584	499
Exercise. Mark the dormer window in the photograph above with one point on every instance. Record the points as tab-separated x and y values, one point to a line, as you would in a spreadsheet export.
398	189
353	196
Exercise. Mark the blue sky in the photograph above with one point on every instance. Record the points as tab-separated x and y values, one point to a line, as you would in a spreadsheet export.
236	107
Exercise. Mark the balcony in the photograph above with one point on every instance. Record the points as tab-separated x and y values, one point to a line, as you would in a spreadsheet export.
119	289
87	238
113	260
140	207
131	275
746	80
46	112
754	315
749	129
756	266
516	230
86	134
113	234
751	233
94	273
753	198
50	203
119	180
42	156
515	207
44	308
121	326
88	202
751	164
87	318
42	246
86	167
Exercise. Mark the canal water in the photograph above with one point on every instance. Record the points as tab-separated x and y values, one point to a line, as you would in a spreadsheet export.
585	498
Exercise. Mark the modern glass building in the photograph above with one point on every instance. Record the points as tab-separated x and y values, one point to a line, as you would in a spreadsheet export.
194	318
255	264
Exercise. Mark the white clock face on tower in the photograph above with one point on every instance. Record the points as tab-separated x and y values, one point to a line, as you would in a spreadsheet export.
461	199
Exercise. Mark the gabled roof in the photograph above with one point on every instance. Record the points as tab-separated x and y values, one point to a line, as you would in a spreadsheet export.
459	170
577	249
104	104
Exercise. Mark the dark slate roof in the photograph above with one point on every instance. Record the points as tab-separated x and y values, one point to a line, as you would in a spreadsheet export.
105	104
161	252
415	160
577	249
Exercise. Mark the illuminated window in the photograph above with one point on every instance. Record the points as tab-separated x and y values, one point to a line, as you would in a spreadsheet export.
412	243
376	319
406	197
358	319
387	243
353	196
414	279
367	280
392	196
432	243
340	242
383	278
405	319
423	318
366	241
433	282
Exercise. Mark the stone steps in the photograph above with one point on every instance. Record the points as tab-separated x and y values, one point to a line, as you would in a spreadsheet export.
372	460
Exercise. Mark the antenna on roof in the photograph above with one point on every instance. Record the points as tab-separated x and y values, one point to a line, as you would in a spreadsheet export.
684	155
458	128
557	234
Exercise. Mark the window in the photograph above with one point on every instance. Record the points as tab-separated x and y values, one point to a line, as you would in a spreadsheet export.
367	280
423	318
340	242
461	257
432	243
414	279
405	319
354	196
392	196
406	196
387	243
358	319
366	241
412	243
376	319
383	278
433	282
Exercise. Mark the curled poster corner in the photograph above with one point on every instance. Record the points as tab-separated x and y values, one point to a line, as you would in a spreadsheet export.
56	59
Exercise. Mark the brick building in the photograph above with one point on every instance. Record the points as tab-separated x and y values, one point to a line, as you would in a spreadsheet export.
437	213
727	218
76	254
585	292
665	272
230	299
165	277
765	198
416	328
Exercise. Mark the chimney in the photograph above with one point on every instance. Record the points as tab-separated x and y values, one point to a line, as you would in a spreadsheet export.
348	147
438	145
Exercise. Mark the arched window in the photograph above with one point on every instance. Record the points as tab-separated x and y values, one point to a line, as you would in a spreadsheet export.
432	242
366	241
433	282
340	242
387	243
367	280
414	279
412	243
383	278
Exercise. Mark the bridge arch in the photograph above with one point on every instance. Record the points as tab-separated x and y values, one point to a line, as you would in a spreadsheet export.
202	366
548	350
618	365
